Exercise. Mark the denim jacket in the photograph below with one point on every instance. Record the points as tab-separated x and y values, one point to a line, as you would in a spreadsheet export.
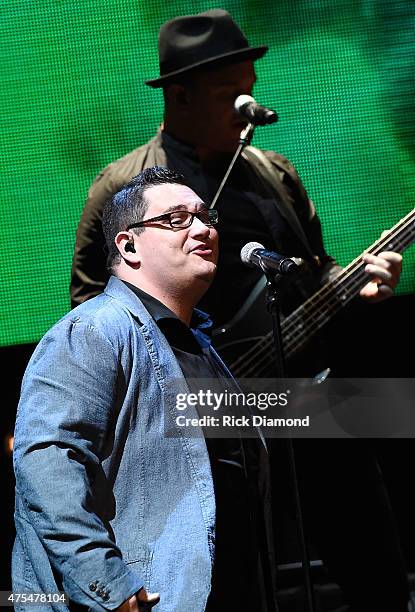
105	502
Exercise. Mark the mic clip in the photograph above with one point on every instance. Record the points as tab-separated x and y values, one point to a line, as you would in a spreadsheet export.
246	135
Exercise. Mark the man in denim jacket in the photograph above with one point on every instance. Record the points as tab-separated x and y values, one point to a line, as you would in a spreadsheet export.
107	507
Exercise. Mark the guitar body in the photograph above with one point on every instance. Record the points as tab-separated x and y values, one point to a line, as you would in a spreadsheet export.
248	327
245	343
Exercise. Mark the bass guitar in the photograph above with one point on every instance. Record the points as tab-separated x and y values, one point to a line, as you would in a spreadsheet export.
254	354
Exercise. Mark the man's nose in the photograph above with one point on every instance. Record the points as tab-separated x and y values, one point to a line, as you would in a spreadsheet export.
198	228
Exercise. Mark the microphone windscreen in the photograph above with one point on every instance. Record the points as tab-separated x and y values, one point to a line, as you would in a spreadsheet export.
247	250
242	100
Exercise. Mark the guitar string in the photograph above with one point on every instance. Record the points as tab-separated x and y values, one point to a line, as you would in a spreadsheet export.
343	279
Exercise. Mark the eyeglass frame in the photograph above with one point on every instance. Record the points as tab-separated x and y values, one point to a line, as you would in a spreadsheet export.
167	215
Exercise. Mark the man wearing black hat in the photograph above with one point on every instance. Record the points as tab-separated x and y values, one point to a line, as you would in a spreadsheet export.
205	63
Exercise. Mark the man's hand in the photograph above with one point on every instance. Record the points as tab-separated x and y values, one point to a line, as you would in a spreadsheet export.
141	602
385	269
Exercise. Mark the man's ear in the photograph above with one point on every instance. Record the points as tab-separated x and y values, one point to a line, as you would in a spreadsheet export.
124	242
178	96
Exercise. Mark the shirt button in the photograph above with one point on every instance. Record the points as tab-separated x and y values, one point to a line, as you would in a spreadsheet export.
105	596
93	586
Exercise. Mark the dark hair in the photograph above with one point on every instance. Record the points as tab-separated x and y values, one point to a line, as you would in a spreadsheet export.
129	206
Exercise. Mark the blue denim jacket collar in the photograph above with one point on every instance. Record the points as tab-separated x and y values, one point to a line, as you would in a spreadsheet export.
118	290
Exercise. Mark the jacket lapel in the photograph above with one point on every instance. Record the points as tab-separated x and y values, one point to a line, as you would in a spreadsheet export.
267	173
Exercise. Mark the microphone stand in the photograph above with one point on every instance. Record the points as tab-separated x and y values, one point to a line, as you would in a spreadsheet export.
273	309
244	140
272	306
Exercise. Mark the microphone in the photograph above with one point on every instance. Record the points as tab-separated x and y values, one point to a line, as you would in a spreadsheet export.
255	254
252	111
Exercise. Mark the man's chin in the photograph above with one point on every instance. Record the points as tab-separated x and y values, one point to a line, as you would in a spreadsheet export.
208	274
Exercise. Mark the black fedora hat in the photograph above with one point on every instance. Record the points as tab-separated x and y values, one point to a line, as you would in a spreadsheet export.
194	41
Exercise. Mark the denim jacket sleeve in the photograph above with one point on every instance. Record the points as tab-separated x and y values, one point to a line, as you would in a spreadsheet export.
64	427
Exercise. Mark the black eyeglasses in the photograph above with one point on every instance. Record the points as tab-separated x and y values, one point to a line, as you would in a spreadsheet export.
180	219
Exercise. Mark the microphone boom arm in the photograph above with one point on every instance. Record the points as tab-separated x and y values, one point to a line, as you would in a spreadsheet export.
244	140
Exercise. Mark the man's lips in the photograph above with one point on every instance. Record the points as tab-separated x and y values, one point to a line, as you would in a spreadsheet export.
201	249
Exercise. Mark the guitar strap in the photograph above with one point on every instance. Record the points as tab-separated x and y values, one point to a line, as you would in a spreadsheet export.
268	174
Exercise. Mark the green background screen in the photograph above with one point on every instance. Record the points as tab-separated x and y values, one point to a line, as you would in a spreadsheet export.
340	73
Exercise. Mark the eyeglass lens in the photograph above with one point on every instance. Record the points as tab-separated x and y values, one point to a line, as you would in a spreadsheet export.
182	218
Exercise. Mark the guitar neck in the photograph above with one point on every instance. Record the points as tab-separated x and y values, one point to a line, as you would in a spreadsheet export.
304	322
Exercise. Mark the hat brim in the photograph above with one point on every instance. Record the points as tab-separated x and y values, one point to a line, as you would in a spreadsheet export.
250	53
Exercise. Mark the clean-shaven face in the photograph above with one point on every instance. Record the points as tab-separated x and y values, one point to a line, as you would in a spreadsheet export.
176	259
